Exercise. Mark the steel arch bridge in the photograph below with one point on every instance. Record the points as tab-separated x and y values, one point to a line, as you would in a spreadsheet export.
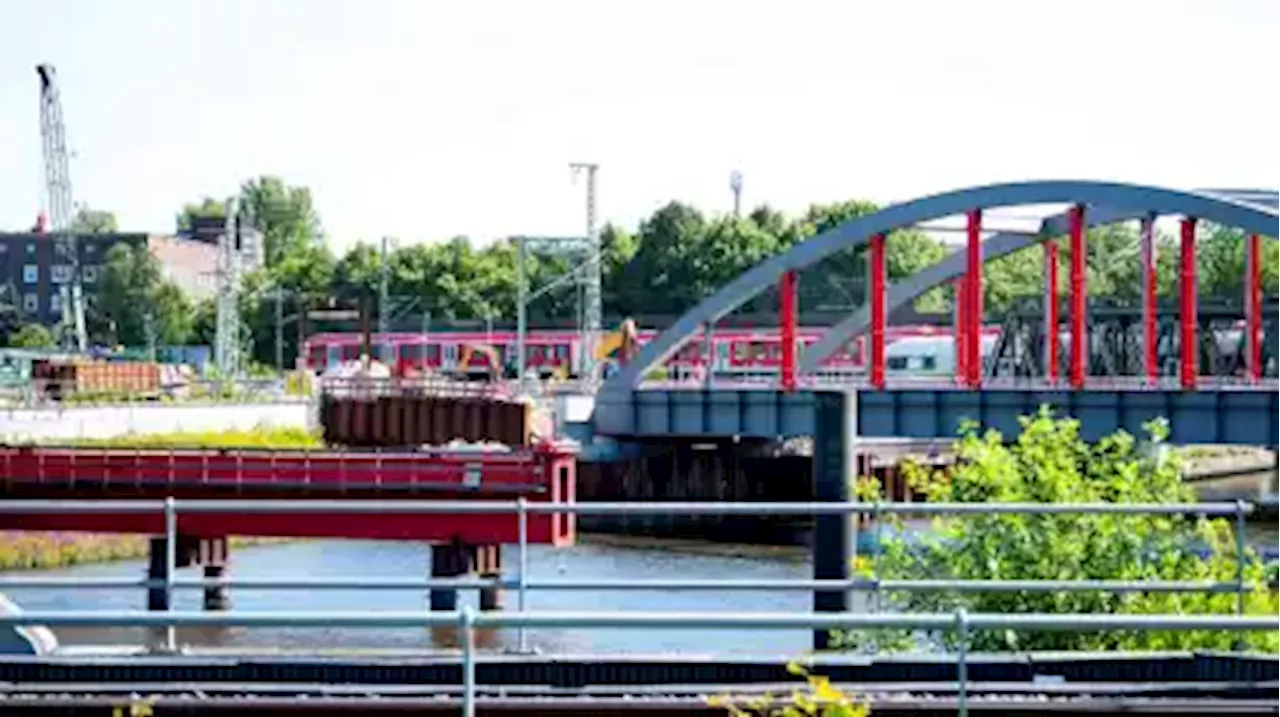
622	398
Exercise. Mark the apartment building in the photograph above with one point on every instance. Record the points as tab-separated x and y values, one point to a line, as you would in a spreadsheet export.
33	267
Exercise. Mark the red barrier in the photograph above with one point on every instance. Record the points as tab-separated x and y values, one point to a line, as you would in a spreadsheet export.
543	473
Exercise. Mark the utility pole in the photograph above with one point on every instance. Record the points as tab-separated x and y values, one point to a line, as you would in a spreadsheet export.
384	311
592	302
280	330
522	321
227	342
735	186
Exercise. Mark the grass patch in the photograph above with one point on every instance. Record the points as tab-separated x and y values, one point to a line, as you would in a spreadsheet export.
286	438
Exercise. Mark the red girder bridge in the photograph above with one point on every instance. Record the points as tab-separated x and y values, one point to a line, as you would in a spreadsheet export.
462	543
1200	408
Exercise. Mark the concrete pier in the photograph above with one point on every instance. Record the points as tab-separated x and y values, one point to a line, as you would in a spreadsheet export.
213	554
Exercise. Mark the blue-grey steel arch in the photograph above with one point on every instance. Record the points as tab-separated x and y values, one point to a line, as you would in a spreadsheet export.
1137	199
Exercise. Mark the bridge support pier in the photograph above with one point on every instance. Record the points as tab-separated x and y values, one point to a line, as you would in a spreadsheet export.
834	469
488	564
448	560
215	556
458	559
211	553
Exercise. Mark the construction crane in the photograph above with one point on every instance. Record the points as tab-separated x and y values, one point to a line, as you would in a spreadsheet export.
57	174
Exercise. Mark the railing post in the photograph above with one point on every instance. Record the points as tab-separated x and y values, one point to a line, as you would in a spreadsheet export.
467	618
170	565
1189	369
522	565
962	661
1241	542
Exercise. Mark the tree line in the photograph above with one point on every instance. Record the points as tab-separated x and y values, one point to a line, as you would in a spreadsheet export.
675	257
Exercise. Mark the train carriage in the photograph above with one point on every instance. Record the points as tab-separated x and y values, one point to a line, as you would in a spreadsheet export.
745	353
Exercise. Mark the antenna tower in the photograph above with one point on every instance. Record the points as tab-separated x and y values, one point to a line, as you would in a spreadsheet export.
592	309
57	172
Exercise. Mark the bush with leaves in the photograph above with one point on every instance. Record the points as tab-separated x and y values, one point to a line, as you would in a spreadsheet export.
820	699
1050	463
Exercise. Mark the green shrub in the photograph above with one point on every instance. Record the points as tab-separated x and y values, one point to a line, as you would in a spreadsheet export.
1049	463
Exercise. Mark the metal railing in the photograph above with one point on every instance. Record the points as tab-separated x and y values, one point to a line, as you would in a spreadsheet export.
468	620
850	380
68	393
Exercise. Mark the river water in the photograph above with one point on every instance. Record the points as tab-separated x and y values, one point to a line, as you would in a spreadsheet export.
596	559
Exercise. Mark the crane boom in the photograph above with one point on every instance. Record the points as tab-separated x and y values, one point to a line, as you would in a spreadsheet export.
58	187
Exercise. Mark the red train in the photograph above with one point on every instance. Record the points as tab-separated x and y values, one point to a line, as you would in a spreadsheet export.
743	352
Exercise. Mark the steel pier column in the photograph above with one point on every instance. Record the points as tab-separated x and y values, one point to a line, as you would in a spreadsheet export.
1253	308
1079	294
835	431
1051	311
960	291
973	309
875	271
787	307
1189	369
1150	330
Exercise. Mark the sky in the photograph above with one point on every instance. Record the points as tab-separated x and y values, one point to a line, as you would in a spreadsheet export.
423	120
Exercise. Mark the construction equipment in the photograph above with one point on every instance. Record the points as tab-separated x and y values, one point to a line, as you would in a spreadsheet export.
57	173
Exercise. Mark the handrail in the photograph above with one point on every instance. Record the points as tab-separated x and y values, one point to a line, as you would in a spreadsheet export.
468	620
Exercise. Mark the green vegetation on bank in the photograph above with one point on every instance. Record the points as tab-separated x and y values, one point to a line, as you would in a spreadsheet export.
47	550
1049	463
26	550
288	438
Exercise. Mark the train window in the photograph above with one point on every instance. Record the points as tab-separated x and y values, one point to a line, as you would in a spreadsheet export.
411	352
433	353
562	351
350	352
897	363
741	351
317	355
928	363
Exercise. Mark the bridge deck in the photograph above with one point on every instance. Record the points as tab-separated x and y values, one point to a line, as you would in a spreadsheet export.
539	474
1226	415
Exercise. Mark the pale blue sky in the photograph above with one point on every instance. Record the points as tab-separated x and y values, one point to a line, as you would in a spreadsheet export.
424	119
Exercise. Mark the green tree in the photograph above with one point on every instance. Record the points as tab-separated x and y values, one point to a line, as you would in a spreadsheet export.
285	215
206	207
31	336
136	301
1049	463
93	221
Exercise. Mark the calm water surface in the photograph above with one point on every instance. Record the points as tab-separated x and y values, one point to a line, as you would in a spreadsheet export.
617	559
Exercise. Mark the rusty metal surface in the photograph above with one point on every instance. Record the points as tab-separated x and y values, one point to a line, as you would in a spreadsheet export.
405	420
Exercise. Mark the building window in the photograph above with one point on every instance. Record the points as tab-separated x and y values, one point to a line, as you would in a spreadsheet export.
30	302
55	302
90	274
30	273
61	273
31	248
4	248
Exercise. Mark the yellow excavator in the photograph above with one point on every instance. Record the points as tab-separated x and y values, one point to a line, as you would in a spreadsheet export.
623	342
493	367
